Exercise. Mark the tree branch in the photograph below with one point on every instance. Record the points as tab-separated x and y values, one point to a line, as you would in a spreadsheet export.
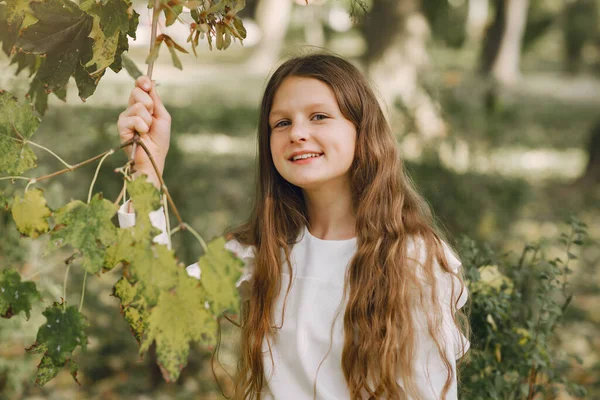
160	179
81	164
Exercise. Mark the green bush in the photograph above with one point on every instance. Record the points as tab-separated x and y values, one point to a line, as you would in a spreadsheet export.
517	305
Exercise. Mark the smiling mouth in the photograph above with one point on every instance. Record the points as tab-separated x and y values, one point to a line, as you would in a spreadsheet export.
299	160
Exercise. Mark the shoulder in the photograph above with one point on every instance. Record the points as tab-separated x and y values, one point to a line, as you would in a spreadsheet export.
417	250
246	253
449	287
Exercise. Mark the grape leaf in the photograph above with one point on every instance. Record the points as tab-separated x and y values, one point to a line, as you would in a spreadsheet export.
120	251
179	318
61	33
87	228
221	269
146	198
154	270
48	369
63	331
133	307
30	213
113	21
16	296
17	124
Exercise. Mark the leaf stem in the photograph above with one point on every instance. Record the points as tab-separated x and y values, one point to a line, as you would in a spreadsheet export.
81	164
31	182
166	211
196	235
162	182
108	153
14	177
82	291
65	287
116	202
66	164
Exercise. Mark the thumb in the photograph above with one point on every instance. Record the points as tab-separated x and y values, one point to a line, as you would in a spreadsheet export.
159	108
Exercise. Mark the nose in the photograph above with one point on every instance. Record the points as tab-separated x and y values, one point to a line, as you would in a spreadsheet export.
298	132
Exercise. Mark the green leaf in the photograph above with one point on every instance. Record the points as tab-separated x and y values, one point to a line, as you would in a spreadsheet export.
221	269
133	307
171	13
16	10
30	213
61	33
47	370
87	228
130	67
146	198
104	48
174	57
16	296
154	269
17	124
63	331
179	318
114	15
120	251
37	95
113	21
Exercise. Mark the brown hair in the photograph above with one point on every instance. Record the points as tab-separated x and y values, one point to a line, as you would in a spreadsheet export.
381	281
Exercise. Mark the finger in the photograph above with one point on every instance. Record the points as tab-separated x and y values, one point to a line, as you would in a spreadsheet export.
143	82
134	124
160	110
138	109
139	96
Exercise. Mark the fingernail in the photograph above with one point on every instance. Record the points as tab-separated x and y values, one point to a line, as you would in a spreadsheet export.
146	86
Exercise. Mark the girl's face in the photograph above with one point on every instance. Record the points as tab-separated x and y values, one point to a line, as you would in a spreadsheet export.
305	118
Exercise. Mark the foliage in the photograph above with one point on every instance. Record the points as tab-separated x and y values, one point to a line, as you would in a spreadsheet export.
16	296
516	307
30	213
63	331
17	125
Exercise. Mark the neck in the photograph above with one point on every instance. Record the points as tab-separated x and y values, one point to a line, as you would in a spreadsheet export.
330	212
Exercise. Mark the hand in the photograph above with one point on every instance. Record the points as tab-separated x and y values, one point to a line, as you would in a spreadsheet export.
146	115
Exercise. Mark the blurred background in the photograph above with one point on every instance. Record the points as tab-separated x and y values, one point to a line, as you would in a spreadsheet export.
495	105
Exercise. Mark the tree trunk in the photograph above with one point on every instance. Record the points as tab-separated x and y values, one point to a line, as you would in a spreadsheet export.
396	33
592	171
476	19
501	53
272	17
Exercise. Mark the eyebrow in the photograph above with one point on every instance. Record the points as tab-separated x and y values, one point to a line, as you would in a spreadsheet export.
311	105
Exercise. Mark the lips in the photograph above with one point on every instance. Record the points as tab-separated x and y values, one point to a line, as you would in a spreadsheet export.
291	158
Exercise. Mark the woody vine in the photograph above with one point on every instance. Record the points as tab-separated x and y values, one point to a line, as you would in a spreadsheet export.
55	40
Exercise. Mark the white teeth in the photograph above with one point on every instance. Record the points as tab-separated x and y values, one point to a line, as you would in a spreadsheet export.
303	156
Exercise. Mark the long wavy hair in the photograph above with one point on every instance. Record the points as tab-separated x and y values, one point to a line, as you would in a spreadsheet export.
381	284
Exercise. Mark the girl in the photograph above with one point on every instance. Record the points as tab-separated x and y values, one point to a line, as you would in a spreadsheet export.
349	291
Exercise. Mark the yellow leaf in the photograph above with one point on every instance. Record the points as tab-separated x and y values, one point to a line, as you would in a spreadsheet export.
30	213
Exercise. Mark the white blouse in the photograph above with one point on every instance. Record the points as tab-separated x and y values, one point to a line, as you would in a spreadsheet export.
312	331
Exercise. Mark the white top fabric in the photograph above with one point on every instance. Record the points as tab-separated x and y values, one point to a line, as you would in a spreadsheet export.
314	315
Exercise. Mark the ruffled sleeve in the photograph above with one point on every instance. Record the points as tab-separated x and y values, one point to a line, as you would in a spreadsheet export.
430	370
450	289
157	219
246	254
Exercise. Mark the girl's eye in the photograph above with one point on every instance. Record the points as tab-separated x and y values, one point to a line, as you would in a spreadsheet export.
277	125
318	117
